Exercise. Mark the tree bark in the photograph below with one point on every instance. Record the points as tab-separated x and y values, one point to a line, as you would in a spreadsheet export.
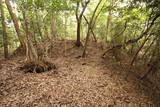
53	29
109	18
78	43
65	25
16	24
148	48
79	19
90	26
94	36
140	48
38	24
31	51
154	61
5	37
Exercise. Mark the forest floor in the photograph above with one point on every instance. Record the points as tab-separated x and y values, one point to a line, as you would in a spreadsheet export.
77	82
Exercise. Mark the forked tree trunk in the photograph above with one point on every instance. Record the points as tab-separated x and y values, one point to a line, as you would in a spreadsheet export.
90	26
31	52
5	37
79	20
93	34
37	62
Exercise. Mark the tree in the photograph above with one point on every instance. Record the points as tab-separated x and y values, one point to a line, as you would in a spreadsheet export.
153	16
90	26
37	57
16	24
109	18
31	52
53	29
79	18
5	37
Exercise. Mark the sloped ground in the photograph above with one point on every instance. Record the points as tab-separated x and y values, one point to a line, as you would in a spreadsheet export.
77	82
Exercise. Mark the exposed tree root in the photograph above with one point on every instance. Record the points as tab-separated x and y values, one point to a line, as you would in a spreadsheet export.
38	67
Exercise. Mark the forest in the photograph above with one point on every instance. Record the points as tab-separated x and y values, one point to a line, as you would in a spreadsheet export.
79	53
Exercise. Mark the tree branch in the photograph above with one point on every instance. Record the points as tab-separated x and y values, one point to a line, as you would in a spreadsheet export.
137	39
94	36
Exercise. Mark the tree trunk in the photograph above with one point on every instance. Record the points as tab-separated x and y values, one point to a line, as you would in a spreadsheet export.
5	37
86	43
37	62
16	24
154	61
94	36
34	31
31	51
46	32
148	48
79	20
109	20
65	25
78	43
53	29
38	24
108	25
90	26
140	48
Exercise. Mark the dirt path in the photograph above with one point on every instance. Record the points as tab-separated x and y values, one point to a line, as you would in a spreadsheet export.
75	83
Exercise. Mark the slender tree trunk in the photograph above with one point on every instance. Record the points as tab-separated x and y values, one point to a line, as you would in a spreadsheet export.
108	25
148	48
16	24
34	32
90	26
5	37
53	29
94	36
46	32
79	20
86	43
38	24
109	19
31	52
65	25
154	61
78	43
136	54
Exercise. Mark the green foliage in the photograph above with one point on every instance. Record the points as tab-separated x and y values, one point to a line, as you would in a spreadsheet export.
135	12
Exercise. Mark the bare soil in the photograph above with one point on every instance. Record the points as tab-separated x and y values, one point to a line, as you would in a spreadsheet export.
77	82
